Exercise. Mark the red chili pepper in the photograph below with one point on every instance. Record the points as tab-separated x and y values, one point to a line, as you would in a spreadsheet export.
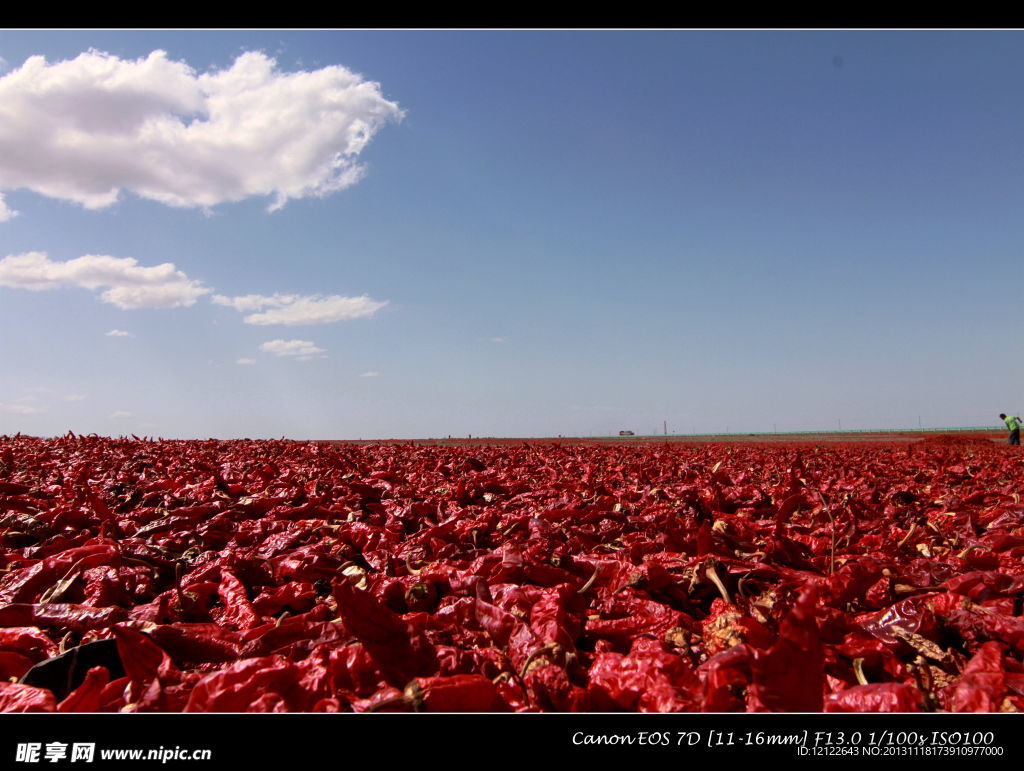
298	576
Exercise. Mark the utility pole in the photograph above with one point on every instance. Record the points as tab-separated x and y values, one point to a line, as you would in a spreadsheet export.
664	423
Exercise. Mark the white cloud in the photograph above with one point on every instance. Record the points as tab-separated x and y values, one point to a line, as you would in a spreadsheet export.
497	339
119	333
5	212
245	361
121	414
129	285
369	374
249	303
75	397
84	129
253	302
21	409
297	310
302	349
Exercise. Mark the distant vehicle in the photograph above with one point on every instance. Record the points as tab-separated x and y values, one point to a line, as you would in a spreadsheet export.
626	433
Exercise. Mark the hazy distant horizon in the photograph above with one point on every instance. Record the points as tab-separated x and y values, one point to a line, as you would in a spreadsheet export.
896	433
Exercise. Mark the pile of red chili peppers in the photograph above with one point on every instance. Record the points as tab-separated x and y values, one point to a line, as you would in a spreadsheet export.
289	576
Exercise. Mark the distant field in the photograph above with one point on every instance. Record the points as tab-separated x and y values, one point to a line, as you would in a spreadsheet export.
953	437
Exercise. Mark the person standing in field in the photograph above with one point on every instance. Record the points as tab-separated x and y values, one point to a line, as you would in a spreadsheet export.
1014	425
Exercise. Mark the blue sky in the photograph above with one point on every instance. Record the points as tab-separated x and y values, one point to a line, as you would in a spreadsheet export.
528	233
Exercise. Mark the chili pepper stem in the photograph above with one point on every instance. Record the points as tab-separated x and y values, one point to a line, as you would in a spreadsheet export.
712	575
858	670
913	529
590	581
63	647
550	647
